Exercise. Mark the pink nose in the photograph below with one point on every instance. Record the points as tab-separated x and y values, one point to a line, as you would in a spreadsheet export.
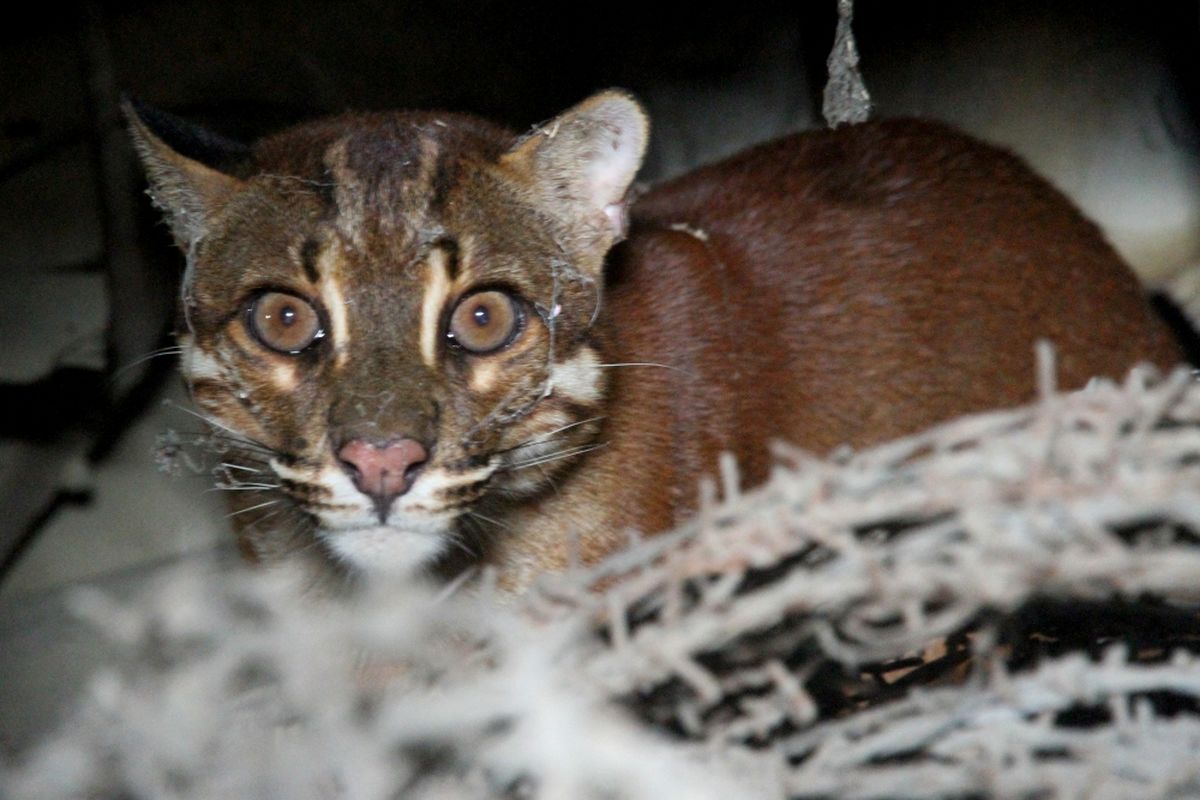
382	471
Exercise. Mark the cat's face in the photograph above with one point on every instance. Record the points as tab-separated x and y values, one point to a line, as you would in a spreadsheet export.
394	314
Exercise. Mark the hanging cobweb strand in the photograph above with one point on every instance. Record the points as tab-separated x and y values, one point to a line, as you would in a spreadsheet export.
846	100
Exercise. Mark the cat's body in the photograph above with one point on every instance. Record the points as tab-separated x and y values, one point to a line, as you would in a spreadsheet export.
486	381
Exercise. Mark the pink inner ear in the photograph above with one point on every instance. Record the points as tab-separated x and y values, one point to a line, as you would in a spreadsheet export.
611	170
616	131
587	158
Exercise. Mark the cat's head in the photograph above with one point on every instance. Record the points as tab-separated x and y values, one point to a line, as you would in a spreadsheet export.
392	314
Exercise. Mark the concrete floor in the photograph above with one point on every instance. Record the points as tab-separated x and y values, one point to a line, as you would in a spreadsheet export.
137	521
136	515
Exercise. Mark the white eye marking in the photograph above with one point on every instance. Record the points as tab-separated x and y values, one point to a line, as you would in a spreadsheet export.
284	377
578	378
437	290
335	304
484	375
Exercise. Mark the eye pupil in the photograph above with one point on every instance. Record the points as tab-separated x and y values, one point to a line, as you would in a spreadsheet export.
485	322
283	322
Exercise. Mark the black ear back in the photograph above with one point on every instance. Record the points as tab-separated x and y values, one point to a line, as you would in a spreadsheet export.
192	172
189	139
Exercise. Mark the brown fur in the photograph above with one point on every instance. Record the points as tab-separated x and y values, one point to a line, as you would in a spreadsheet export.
830	288
837	287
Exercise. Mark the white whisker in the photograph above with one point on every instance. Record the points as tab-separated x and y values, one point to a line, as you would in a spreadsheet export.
548	480
455	585
495	522
548	436
239	466
162	351
561	454
544	436
266	517
244	487
247	447
212	421
461	545
253	508
650	364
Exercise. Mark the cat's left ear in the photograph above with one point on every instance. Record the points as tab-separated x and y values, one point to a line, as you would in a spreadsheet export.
582	164
191	170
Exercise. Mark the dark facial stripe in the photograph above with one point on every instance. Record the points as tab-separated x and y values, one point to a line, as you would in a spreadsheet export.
440	185
308	259
327	190
211	387
450	246
217	397
309	492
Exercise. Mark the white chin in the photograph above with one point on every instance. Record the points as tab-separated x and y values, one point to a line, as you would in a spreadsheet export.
384	551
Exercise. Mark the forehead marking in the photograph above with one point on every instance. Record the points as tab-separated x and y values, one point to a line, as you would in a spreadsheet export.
436	292
334	300
430	152
347	193
464	254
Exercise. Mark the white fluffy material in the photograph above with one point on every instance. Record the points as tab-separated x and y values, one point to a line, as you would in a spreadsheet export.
720	638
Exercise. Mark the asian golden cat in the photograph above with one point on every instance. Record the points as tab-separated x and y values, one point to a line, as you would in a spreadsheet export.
432	341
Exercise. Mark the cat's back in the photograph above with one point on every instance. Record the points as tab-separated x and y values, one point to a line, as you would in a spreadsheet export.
875	189
885	276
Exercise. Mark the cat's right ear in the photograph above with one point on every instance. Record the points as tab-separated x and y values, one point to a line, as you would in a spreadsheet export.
582	163
189	168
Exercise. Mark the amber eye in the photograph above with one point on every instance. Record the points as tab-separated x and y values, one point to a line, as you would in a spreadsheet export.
484	322
284	322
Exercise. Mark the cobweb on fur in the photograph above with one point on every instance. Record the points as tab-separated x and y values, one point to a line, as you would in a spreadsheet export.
1005	605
